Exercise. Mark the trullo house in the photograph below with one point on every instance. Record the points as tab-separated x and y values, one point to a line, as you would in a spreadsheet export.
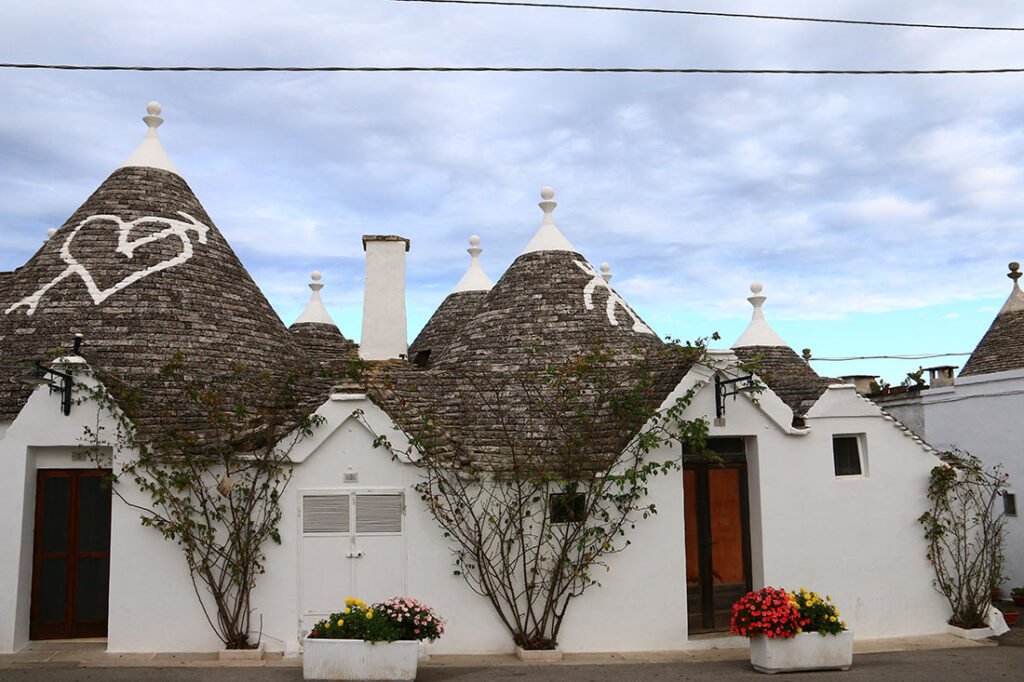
813	485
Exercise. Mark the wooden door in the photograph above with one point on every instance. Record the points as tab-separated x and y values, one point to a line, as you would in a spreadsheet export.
717	535
71	555
352	544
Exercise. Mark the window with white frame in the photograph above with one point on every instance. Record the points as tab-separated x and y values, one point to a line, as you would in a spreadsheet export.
847	455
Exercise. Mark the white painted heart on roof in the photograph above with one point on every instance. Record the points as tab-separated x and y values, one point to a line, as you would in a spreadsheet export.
596	280
125	246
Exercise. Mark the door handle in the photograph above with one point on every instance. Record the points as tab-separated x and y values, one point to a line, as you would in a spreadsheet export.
354	555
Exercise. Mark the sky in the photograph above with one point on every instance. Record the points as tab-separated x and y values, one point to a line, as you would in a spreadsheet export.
879	212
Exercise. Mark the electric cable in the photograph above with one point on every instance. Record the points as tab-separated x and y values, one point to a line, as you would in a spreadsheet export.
890	357
513	69
726	15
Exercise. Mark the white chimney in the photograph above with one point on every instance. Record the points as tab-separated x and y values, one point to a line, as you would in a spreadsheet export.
385	335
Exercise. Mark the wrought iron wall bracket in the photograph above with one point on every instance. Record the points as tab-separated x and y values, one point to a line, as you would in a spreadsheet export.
65	386
731	387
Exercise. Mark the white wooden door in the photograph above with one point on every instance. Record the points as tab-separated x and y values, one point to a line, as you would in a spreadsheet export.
352	544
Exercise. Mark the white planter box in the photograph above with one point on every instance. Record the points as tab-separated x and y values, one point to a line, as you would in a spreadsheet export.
806	651
355	659
242	654
539	655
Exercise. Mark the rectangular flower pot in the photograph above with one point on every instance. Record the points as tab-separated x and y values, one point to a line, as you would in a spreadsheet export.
805	651
539	655
356	659
254	654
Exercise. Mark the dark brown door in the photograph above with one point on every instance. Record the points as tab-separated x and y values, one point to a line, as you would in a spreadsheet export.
717	534
71	559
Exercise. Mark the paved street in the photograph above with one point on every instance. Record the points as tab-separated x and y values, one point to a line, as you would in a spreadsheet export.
976	663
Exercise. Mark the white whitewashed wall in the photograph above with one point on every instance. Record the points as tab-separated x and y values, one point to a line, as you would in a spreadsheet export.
856	539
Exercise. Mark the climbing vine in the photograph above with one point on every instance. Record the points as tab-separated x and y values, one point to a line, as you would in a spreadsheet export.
965	529
214	490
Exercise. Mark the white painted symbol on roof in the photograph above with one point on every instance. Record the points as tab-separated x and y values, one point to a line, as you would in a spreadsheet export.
125	246
596	280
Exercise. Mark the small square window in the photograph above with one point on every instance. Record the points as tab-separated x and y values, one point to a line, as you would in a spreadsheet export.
1009	504
846	455
568	507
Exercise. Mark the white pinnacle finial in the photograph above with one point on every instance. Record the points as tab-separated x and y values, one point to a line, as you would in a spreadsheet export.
606	272
548	237
758	332
151	154
757	300
315	310
474	279
49	233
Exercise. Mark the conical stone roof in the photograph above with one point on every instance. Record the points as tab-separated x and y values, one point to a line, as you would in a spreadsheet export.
457	308
548	306
141	271
318	336
775	362
787	374
444	325
1002	347
486	397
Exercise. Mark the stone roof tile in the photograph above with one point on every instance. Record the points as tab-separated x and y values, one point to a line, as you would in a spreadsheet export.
456	309
548	306
786	374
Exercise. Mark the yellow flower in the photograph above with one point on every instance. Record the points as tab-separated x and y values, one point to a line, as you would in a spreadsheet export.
369	614
350	601
340	622
833	618
347	611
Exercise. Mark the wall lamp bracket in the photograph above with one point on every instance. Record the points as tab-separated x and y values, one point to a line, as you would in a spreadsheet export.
58	381
732	387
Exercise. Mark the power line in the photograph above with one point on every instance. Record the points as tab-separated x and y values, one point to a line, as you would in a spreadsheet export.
513	69
889	357
728	15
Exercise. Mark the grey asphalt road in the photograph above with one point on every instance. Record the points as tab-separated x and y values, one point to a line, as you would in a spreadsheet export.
974	664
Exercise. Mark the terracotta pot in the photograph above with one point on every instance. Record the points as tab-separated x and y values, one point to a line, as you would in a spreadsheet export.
1018	599
1011	617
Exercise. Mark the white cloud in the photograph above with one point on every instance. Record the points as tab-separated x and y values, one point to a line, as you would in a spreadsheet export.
844	195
